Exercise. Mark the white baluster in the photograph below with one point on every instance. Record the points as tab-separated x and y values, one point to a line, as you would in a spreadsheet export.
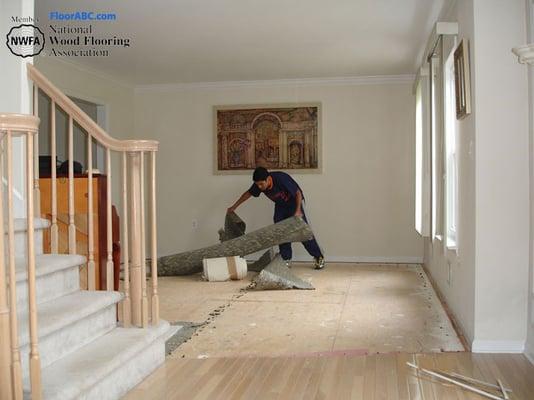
144	300
109	262
126	304
16	369
135	241
5	354
91	284
154	250
36	189
72	225
35	363
54	232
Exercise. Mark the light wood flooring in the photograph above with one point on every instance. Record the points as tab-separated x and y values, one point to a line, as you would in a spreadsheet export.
382	376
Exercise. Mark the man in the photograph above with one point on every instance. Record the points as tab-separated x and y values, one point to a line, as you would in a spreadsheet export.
288	199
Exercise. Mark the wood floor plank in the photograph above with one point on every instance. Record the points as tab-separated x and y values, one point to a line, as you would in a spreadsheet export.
263	369
315	379
338	377
293	374
369	383
428	390
327	384
402	375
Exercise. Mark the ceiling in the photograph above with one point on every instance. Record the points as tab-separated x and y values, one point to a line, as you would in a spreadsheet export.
185	41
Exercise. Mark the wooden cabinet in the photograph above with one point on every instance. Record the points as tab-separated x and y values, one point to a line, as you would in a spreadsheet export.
81	222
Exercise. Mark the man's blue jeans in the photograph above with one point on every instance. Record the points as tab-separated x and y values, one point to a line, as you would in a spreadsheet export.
311	246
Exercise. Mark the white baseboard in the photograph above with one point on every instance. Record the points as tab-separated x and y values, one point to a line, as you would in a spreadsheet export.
349	259
530	357
498	346
365	259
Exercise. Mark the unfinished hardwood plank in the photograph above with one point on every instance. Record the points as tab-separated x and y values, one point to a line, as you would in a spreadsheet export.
403	376
328	385
297	379
241	386
310	392
369	383
205	378
337	377
426	385
262	372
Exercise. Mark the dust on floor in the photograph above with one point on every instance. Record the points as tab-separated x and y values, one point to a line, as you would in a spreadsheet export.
355	309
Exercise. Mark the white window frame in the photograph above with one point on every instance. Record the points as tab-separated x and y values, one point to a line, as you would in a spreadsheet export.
437	167
422	154
450	154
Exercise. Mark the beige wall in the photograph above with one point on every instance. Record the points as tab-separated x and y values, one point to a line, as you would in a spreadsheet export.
529	351
459	290
487	291
361	206
98	89
501	174
16	95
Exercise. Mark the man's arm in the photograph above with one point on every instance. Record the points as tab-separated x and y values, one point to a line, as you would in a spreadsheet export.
244	197
298	201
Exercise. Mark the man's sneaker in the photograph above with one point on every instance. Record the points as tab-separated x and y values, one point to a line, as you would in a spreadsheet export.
288	263
319	262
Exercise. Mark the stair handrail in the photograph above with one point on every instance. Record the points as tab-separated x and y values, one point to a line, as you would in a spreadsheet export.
133	152
109	142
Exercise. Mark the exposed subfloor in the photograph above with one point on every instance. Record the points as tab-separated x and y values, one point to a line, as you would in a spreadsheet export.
356	309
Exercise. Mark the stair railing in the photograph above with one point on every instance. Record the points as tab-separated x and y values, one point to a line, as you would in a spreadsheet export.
132	153
25	127
133	236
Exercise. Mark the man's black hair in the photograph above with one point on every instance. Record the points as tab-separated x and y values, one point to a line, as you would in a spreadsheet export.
260	174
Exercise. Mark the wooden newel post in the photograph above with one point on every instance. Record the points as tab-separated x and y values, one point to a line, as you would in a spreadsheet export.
35	361
135	237
5	354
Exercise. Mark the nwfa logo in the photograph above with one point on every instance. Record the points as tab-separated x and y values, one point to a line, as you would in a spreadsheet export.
25	40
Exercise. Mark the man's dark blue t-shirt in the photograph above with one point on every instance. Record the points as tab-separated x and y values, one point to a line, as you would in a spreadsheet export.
283	192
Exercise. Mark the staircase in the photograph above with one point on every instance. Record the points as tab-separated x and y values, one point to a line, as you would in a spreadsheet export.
84	353
56	340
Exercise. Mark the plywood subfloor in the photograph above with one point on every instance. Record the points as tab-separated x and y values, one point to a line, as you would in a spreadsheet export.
356	309
382	376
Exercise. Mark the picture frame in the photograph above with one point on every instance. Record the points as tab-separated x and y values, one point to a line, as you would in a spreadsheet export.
283	136
462	80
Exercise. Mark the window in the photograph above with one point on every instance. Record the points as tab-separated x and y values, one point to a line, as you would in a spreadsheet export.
451	158
422	156
418	159
438	173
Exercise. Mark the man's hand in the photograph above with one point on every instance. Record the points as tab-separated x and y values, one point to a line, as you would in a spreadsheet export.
230	210
298	213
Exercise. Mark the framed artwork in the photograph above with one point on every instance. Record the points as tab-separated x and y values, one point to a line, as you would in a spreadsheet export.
462	81
279	137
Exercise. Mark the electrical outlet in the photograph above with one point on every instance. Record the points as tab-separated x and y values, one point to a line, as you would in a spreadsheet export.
194	224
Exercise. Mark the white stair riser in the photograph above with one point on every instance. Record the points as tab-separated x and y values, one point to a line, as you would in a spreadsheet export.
49	286
21	240
60	343
130	374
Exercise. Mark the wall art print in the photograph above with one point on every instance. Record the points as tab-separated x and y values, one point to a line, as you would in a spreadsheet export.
275	137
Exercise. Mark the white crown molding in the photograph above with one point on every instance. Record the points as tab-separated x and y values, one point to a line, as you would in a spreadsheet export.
88	70
498	346
333	81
